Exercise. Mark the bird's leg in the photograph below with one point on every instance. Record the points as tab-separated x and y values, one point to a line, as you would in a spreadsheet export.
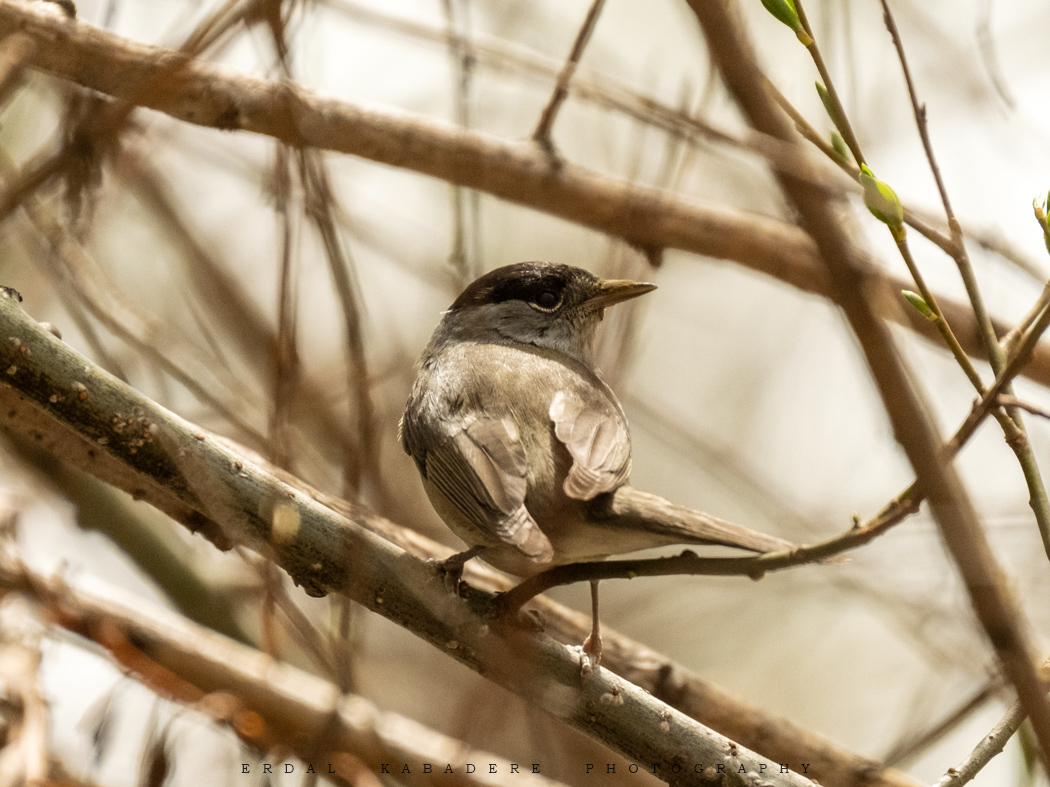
452	567
592	646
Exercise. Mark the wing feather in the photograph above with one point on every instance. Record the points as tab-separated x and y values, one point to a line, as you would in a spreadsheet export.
598	443
481	470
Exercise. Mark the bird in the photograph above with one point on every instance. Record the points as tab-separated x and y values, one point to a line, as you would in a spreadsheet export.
521	444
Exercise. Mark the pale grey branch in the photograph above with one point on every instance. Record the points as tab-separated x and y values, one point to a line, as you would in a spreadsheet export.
325	552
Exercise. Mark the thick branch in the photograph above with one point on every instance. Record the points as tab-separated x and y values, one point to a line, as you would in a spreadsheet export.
269	704
94	434
325	553
518	171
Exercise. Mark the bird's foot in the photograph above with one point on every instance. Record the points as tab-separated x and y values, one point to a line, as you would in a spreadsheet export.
451	568
590	655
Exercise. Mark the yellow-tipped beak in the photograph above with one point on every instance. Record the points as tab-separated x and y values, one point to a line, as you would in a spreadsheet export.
612	291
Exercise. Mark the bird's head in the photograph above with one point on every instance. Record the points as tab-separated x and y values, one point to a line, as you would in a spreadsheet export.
542	304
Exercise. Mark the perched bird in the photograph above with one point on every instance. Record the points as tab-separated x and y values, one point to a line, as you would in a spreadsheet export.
523	448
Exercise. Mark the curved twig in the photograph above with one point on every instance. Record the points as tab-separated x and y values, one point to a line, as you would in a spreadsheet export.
689	563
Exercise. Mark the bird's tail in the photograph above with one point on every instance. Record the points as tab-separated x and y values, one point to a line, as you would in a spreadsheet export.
632	508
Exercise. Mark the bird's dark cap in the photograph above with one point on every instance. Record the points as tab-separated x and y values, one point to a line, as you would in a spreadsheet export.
522	281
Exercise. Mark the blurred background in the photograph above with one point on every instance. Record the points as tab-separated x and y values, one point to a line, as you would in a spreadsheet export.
198	274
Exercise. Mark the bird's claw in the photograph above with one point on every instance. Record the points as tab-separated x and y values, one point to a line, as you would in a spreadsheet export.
451	568
590	655
451	573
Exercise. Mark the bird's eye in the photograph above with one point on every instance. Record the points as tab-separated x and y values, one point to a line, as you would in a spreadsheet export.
548	300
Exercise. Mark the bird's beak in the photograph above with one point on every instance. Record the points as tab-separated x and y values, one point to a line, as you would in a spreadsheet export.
612	291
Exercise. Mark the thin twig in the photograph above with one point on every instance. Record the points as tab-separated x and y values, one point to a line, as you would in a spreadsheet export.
941	324
1038	500
990	745
952	509
913	217
70	293
689	563
1014	337
842	121
1013	367
464	206
1007	400
1014	434
244	324
287	369
910	749
76	269
320	204
542	134
919	111
23	183
755	566
342	645
986	47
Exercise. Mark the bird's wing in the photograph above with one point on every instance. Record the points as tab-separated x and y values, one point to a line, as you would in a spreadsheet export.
598	442
481	470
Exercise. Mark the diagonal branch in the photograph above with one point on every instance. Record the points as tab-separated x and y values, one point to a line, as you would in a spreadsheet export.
542	134
69	407
991	744
268	704
239	502
1015	430
951	507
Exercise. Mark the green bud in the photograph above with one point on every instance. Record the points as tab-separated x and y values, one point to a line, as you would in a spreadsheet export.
1040	216
829	106
920	304
785	11
825	99
881	200
839	144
